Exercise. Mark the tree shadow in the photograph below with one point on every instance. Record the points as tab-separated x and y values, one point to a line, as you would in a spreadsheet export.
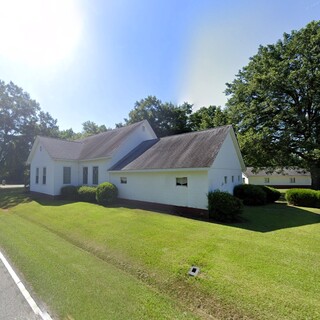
12	197
277	216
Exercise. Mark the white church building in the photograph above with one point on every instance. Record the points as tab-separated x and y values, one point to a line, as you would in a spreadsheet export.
176	170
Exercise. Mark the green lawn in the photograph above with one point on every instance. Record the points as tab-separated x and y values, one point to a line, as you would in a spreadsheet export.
91	262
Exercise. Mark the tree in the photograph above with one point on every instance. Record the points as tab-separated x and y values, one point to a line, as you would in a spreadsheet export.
90	128
208	117
275	103
165	118
21	119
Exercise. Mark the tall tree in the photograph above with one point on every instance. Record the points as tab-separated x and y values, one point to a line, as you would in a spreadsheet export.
208	117
275	103
21	119
90	128
165	118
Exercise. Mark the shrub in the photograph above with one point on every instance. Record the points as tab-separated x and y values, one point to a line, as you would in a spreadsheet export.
223	206
250	194
303	197
107	193
271	193
87	194
69	192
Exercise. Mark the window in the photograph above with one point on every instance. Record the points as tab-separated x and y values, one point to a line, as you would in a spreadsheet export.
95	175
37	175
123	180
266	180
66	175
292	180
232	178
44	175
238	178
182	182
85	175
225	179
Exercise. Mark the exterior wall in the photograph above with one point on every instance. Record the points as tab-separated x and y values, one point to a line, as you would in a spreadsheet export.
160	187
283	180
225	172
42	159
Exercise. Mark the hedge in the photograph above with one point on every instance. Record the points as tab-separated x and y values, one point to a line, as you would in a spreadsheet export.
271	193
223	206
87	194
250	194
69	192
303	198
107	193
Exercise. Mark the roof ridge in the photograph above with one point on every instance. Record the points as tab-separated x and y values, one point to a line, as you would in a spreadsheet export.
115	129
198	131
59	139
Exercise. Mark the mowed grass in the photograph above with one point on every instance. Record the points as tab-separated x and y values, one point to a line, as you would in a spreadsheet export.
92	262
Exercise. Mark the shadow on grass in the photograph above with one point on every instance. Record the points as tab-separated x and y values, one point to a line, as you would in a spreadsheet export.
12	197
277	216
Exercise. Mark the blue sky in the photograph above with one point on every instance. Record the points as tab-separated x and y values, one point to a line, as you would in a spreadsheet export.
91	60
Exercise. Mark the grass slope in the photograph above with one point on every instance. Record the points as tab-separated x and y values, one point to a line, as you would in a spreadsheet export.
78	253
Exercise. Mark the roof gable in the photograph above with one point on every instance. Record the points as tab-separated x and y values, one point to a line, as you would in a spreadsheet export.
190	150
102	145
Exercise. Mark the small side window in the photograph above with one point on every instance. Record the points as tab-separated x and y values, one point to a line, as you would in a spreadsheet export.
123	180
266	180
225	179
37	175
182	181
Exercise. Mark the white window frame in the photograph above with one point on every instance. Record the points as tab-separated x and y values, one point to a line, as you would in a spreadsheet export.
66	174
123	180
182	182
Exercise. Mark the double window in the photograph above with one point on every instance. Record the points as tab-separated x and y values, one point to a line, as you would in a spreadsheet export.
292	180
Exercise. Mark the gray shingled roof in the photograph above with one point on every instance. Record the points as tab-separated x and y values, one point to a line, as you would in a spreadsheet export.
190	150
102	145
250	172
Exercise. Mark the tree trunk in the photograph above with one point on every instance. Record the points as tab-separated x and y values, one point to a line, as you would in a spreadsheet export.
315	177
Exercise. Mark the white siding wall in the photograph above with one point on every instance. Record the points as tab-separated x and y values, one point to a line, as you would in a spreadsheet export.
280	180
160	187
41	159
58	172
226	164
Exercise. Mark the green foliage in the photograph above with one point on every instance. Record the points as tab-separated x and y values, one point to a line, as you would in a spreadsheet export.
21	119
250	194
107	193
223	206
165	118
206	118
274	103
303	198
271	193
69	192
87	194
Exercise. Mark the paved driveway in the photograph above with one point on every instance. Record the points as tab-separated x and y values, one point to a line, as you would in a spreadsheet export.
13	306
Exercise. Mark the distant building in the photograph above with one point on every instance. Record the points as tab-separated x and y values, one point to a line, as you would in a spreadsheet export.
286	178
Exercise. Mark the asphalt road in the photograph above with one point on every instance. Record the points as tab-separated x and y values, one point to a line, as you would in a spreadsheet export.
13	305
